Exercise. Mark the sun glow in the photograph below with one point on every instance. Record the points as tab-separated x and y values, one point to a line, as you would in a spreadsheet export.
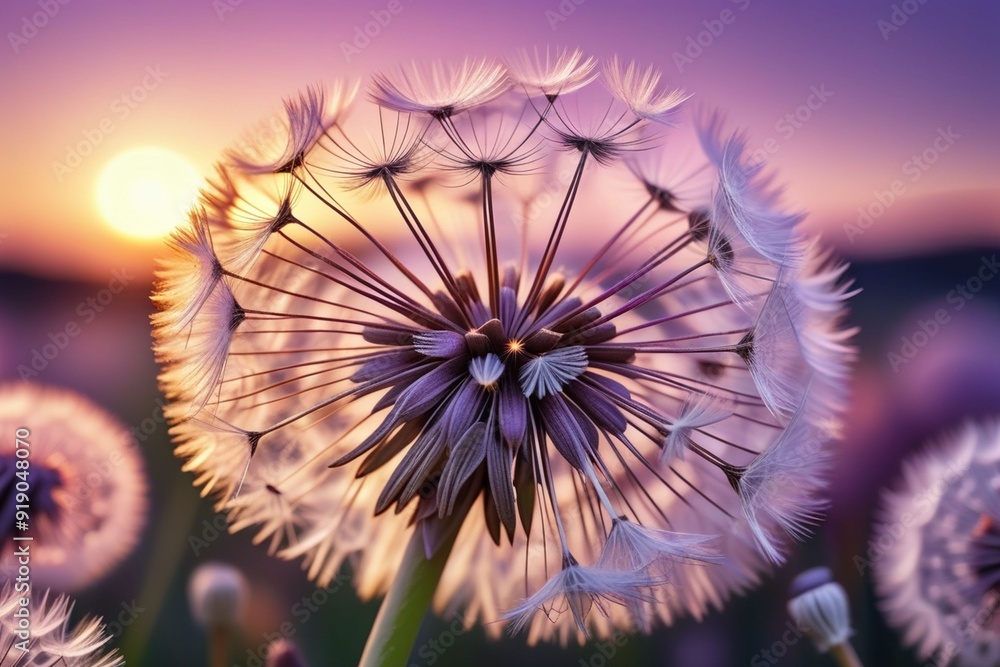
145	192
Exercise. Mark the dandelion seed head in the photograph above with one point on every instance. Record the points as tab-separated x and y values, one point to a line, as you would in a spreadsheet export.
87	485
936	546
601	400
217	594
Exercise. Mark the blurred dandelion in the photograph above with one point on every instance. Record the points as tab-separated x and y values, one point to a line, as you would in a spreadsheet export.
938	545
87	486
619	403
284	653
49	641
983	651
217	595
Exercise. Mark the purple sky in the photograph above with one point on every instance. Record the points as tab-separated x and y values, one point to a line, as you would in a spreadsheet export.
881	96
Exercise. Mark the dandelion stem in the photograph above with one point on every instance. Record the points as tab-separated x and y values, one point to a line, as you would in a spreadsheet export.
218	646
845	655
403	609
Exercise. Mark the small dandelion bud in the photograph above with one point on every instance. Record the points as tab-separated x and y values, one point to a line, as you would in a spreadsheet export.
283	653
217	593
818	605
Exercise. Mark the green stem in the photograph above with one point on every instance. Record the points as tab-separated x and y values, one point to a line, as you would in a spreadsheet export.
845	656
403	609
169	542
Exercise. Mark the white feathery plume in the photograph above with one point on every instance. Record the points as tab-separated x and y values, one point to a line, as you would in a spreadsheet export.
640	90
698	411
440	91
558	73
307	118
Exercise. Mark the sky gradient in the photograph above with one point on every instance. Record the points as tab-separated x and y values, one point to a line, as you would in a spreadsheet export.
839	98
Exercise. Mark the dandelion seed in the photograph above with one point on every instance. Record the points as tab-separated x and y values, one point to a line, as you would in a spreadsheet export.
558	73
87	484
936	548
698	411
440	92
770	486
641	91
50	641
579	588
307	119
409	364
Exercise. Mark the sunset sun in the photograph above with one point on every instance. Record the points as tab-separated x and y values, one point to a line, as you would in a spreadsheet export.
145	192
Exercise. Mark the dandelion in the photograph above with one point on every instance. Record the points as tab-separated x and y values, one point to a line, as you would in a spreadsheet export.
937	569
559	73
217	595
605	416
284	653
86	486
819	607
49	641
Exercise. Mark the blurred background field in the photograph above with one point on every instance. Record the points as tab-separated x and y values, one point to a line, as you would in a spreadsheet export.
915	103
